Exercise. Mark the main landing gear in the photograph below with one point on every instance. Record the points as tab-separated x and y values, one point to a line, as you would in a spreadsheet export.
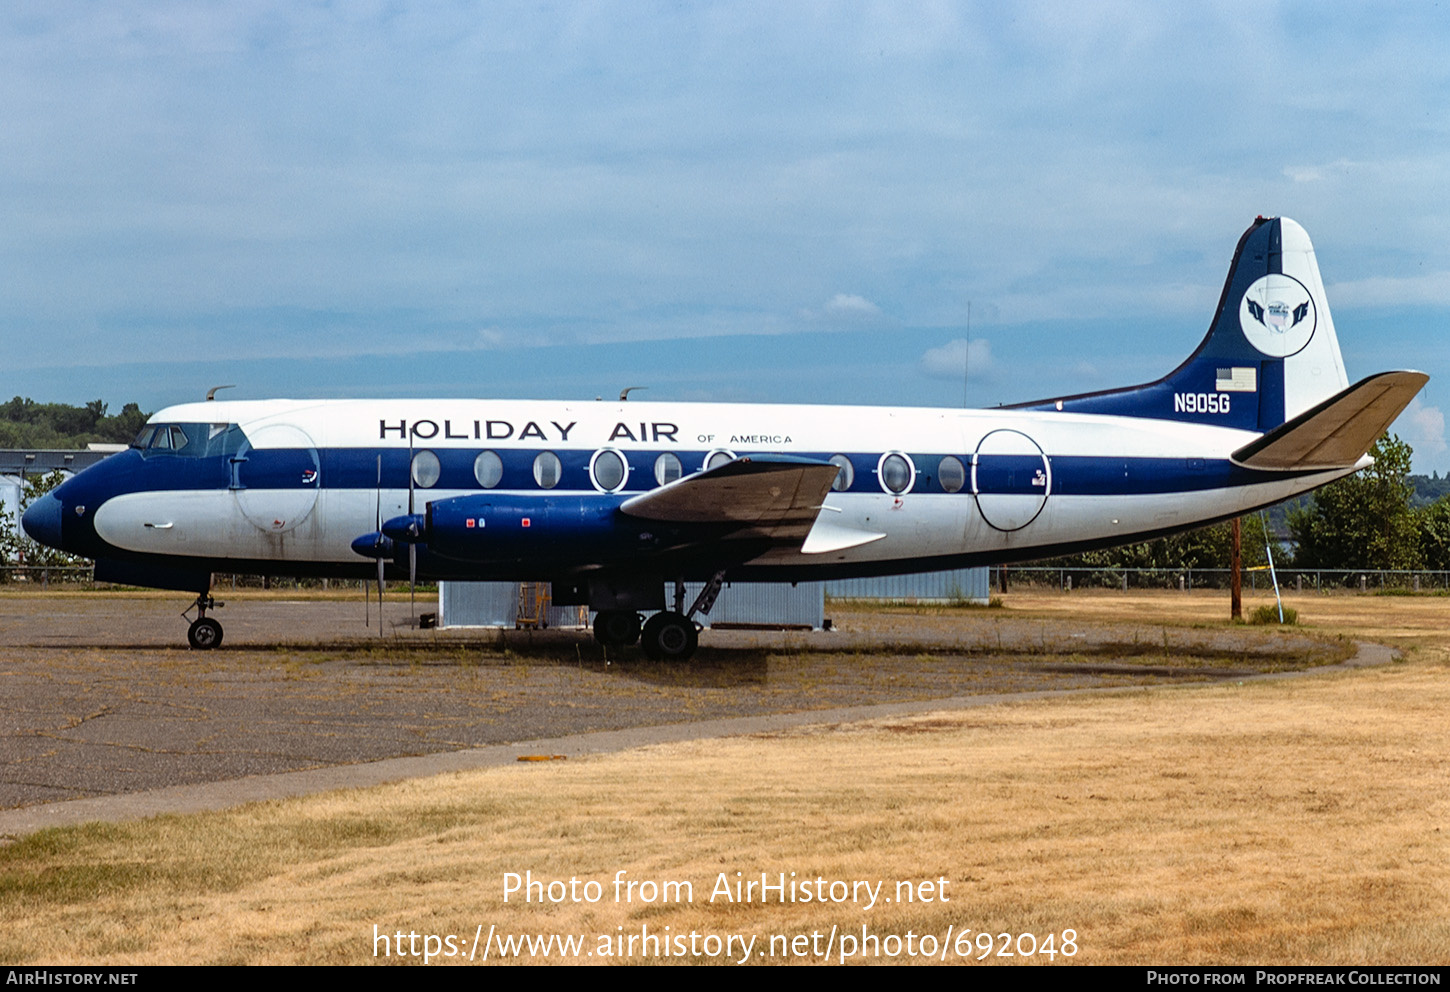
204	633
669	635
616	628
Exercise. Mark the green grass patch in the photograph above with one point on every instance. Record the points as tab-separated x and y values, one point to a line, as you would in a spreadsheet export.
1269	614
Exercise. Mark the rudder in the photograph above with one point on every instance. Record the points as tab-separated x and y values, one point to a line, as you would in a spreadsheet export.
1270	354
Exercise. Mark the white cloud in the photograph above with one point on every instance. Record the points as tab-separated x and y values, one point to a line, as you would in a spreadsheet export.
1424	288
845	310
852	307
956	358
490	338
1423	427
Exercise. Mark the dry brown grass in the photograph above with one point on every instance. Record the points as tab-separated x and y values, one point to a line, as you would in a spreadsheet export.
1298	821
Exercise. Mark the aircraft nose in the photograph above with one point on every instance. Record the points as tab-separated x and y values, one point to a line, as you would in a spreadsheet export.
41	520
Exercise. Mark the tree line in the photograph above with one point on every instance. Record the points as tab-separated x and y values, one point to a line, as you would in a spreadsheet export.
25	423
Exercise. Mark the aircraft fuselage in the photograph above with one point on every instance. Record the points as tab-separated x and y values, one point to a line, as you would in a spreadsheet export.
287	486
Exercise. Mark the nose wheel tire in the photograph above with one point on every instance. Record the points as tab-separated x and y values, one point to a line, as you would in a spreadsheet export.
204	634
670	636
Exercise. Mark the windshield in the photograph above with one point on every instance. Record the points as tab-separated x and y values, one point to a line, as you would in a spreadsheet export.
190	440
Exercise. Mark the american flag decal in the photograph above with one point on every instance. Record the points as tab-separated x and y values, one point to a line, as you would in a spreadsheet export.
1239	379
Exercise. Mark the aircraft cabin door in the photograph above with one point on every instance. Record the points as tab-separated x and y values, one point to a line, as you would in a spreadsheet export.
1011	478
276	477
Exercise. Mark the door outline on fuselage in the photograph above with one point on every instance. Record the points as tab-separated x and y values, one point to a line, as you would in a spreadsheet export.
282	503
1005	492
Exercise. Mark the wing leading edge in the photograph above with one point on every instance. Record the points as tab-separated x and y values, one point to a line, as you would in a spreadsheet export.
775	496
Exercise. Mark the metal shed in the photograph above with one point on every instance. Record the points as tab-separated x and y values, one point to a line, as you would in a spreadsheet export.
496	604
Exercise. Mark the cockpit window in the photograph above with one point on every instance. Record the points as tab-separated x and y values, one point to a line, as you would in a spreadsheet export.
191	440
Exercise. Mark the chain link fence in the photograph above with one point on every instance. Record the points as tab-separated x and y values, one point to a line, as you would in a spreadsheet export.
1186	579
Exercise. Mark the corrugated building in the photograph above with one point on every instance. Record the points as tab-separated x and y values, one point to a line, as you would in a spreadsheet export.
784	604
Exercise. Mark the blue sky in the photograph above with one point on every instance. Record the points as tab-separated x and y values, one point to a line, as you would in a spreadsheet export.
756	202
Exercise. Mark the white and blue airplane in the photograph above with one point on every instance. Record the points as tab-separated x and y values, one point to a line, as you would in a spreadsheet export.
615	502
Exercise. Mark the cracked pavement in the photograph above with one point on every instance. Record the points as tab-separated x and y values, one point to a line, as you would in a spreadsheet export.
100	696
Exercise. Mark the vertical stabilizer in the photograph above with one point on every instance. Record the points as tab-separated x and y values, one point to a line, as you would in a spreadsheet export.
1270	354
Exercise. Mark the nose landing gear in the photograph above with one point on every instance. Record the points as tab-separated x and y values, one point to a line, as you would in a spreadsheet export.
204	633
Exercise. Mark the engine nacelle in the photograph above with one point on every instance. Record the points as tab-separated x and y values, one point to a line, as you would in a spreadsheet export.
487	528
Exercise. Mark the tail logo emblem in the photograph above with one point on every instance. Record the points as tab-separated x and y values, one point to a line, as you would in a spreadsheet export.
1278	315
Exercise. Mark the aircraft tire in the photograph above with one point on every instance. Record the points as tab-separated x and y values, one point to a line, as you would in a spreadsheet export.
616	628
204	634
670	636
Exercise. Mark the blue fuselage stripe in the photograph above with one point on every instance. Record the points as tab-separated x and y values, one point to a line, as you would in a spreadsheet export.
357	469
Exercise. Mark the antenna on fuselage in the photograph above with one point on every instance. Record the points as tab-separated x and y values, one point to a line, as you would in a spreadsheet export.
211	393
624	393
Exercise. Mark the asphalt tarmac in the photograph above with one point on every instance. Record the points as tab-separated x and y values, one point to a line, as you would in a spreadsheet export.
100	697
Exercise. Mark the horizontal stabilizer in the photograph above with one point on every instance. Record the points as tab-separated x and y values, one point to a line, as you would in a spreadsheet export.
1337	432
775	494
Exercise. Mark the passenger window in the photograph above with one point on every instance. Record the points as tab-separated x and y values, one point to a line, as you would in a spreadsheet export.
546	470
488	469
667	468
717	458
896	472
951	474
845	476
608	470
426	470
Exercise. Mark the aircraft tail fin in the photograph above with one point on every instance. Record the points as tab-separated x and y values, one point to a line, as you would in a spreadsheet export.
1270	354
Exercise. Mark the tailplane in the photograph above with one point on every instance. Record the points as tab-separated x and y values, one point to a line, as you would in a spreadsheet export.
1337	432
1270	355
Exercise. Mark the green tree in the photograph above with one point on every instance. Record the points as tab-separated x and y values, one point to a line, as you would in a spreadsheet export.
1363	521
1434	526
124	426
18	549
1206	547
25	423
10	539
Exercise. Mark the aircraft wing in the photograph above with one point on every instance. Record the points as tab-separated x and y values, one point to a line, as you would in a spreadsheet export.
1337	432
777	497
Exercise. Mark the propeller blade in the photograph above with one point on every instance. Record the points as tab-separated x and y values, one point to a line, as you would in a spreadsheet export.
412	548
380	596
380	560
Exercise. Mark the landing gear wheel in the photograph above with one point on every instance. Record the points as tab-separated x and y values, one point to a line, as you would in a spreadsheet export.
670	636
204	634
616	628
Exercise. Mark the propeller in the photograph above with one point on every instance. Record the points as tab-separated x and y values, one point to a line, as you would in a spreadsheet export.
378	546
380	541
412	547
